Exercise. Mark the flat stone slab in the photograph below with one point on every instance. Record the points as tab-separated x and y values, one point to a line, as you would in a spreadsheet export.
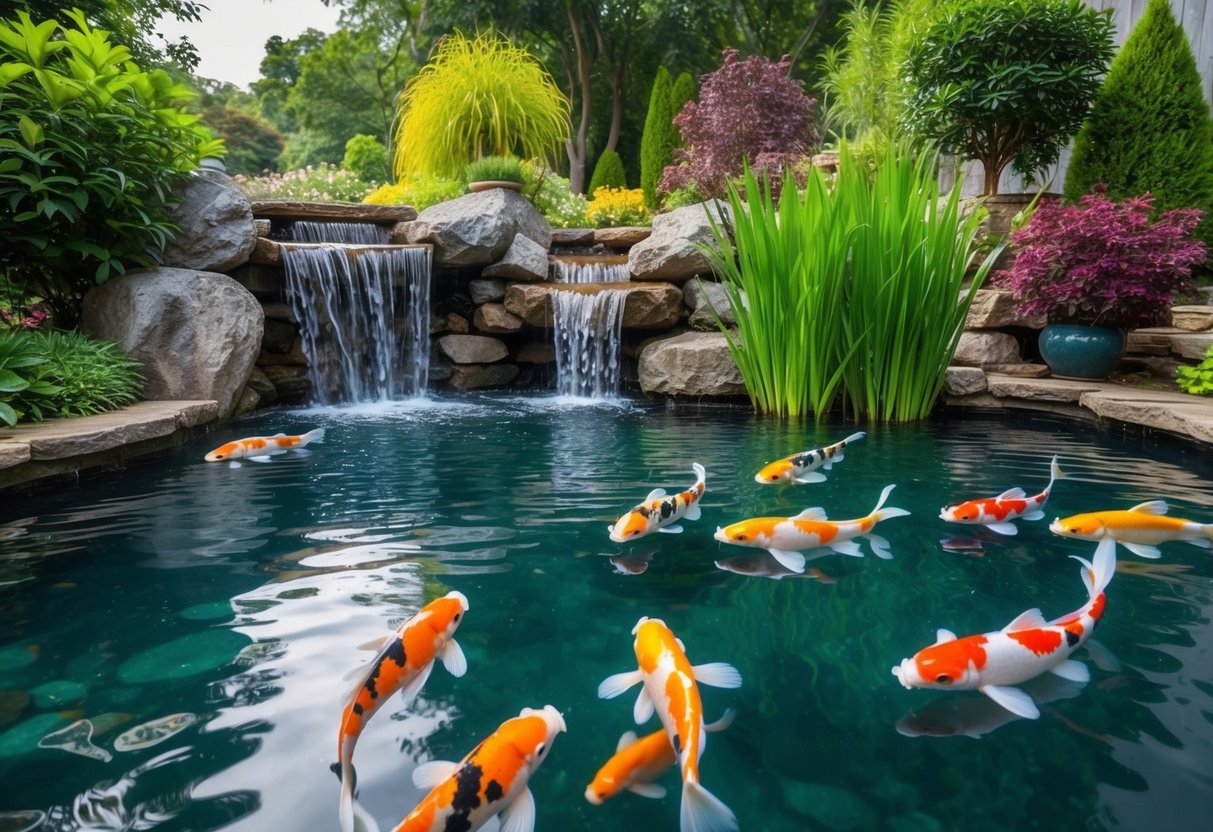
647	305
13	452
1181	342
572	237
333	211
1039	389
63	438
1020	370
1177	412
1192	318
623	237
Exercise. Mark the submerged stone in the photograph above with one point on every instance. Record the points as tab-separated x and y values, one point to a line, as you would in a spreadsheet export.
18	655
23	737
58	693
183	657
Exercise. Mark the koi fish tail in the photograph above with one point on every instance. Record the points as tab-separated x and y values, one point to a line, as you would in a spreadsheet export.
700	474
316	435
1055	473
1098	574
345	806
702	811
882	513
854	437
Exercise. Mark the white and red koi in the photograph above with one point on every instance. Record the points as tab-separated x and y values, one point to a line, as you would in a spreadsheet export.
1139	529
670	688
996	513
659	512
994	663
261	448
787	537
802	467
404	662
638	762
491	779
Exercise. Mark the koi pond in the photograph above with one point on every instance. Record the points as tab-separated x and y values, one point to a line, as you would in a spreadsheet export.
191	623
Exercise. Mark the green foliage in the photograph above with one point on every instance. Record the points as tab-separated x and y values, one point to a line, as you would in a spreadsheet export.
1197	380
320	183
90	147
553	198
21	371
132	23
851	290
685	89
252	145
478	97
366	158
1006	81
616	207
1148	130
495	169
682	197
659	138
608	173
419	193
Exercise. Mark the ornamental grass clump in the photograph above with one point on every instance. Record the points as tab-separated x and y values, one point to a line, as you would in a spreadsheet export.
1102	262
495	169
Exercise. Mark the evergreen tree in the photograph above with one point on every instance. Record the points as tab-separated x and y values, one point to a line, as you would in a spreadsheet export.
1149	128
608	172
655	147
684	90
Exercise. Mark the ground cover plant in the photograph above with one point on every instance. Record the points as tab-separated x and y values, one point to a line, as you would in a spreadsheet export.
315	183
1197	380
418	192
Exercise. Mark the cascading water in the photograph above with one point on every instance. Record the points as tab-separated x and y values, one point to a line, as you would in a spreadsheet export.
588	327
591	270
346	300
353	233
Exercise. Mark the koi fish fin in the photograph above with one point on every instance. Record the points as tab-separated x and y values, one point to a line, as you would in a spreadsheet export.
788	560
377	644
345	804
880	546
810	476
702	811
1072	670
1103	657
234	464
1009	529
675	529
1012	494
1142	550
847	547
363	820
643	710
358	674
693	512
302	451
655	494
943	636
1027	620
1152	507
453	659
262	458
519	815
614	685
650	790
814	514
1013	699
726	719
626	739
1202	542
717	675
1033	515
829	463
1102	567
428	775
681	646
316	435
854	437
413	686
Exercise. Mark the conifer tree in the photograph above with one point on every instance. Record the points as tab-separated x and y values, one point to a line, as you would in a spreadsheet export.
608	172
655	146
684	90
1149	128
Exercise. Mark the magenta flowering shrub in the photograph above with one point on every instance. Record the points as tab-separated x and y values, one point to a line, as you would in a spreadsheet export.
746	109
1103	262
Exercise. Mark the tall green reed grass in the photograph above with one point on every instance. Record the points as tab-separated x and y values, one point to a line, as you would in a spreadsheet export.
851	289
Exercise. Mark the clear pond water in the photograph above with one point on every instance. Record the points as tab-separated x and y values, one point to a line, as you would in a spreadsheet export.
240	596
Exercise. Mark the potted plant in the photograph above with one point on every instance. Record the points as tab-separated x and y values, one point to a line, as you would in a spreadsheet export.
1097	269
495	172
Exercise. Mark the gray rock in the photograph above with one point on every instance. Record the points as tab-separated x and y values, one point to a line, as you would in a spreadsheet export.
993	308
472	349
669	252
262	281
698	294
216	222
524	260
478	229
261	383
621	237
494	319
293	383
196	334
976	349
486	291
440	368
248	401
690	364
537	354
647	306
479	376
964	381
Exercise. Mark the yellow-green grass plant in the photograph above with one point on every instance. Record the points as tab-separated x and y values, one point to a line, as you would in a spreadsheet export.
910	255
477	97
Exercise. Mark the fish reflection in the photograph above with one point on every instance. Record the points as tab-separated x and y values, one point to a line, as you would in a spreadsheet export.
633	563
765	565
963	716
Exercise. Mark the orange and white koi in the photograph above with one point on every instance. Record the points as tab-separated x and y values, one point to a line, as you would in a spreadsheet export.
996	513
404	662
670	688
994	663
661	513
638	762
1139	529
491	779
261	448
802	467
786	537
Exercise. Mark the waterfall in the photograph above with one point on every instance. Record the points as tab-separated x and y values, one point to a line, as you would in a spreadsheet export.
591	270
354	233
587	329
347	299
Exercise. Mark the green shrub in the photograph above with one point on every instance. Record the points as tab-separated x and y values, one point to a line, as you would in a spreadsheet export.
324	183
21	375
1148	130
659	138
552	197
90	148
1197	380
495	169
685	89
608	173
419	193
688	195
366	158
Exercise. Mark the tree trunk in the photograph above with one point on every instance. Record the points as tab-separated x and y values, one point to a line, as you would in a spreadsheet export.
575	146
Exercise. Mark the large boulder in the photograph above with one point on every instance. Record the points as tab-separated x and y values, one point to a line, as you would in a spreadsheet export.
994	308
669	252
525	259
216	221
979	349
197	334
478	229
691	364
701	297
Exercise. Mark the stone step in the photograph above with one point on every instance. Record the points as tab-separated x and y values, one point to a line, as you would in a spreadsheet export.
1181	342
1192	318
333	211
647	306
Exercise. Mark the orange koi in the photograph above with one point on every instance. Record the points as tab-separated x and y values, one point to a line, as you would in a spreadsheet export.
1140	529
996	513
492	778
802	467
659	513
404	663
261	448
670	688
995	663
786	537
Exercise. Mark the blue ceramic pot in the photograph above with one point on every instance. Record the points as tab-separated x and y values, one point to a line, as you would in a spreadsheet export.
1076	351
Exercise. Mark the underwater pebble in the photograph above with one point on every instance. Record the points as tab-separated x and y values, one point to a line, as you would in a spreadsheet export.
210	611
183	657
154	732
58	693
18	655
23	737
76	738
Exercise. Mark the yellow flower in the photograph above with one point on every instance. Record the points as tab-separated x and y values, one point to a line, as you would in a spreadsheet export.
617	206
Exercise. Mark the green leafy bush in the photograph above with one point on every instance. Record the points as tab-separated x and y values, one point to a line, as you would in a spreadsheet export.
608	173
551	196
417	192
90	147
21	371
680	198
495	169
323	183
366	158
1197	380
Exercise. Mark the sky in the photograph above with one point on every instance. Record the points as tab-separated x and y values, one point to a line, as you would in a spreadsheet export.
231	37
